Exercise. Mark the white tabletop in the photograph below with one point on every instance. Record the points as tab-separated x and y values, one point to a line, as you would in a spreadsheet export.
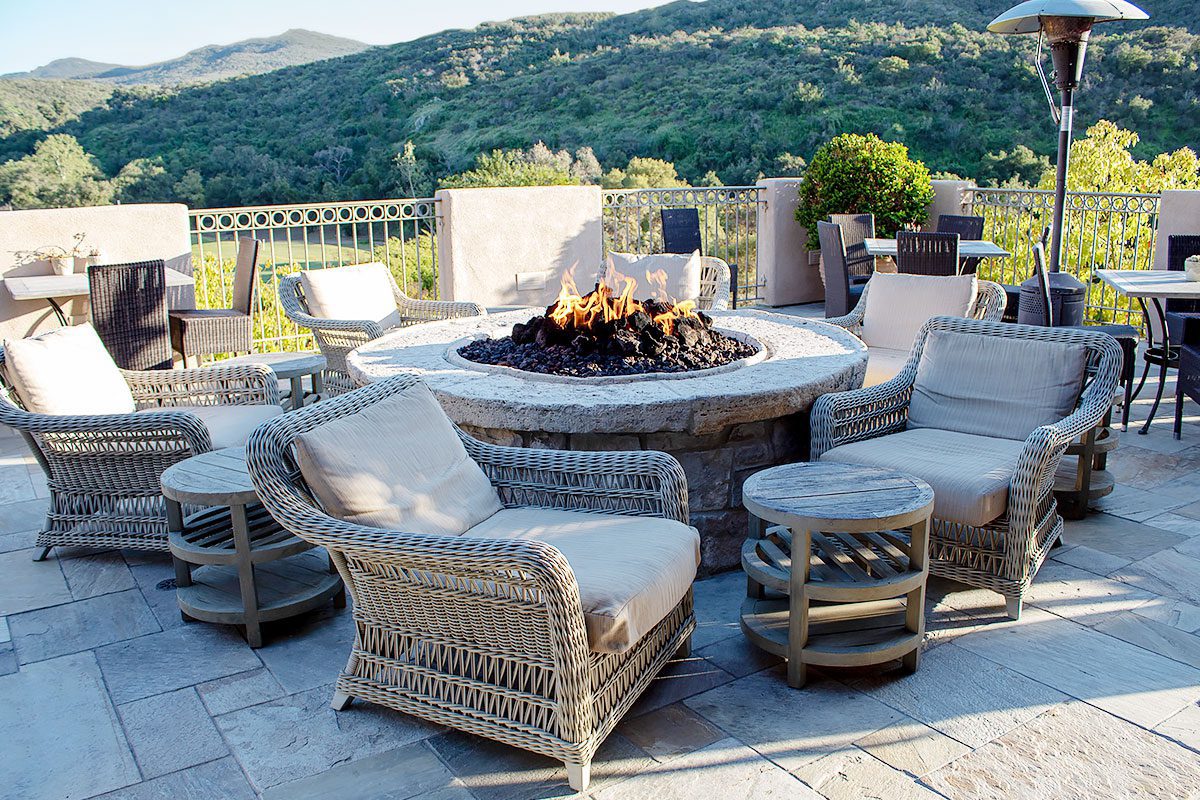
967	248
1171	284
42	287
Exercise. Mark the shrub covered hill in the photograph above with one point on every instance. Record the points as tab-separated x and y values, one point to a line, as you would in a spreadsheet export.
724	85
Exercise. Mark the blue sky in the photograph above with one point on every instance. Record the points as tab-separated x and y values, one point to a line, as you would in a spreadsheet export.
135	32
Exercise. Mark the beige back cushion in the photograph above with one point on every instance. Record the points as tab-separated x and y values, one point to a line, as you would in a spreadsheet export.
993	385
67	371
898	305
399	465
682	272
362	291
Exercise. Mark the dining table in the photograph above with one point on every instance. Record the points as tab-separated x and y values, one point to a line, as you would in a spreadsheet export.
967	248
53	288
1152	288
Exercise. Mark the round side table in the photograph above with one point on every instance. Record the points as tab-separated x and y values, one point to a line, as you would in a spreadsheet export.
250	570
859	596
290	367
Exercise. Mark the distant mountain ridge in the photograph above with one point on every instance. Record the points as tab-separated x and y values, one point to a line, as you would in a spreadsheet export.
208	63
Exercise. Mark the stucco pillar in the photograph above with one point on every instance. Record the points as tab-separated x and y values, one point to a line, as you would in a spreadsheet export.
949	197
1178	213
782	247
510	246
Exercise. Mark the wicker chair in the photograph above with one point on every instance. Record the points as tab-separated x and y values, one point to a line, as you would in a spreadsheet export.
128	307
681	235
969	228
841	294
484	635
920	253
211	331
856	228
1005	553
337	337
102	470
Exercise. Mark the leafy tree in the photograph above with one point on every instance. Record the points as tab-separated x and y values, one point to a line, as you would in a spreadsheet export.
1103	161
538	166
644	173
58	173
1020	167
190	189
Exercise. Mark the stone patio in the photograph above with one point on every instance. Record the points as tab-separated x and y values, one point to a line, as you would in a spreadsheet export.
1094	693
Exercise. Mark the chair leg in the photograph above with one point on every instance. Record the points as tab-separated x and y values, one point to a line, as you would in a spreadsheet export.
579	776
1178	429
685	648
1012	605
46	551
340	701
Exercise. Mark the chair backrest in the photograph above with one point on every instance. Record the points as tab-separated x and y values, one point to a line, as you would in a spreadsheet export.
129	312
833	264
856	228
715	284
245	275
1179	248
920	253
681	230
969	228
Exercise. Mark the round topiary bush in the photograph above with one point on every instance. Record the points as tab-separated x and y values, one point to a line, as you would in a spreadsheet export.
853	174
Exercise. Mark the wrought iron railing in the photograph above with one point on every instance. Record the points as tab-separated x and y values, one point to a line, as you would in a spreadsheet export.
400	233
1102	230
728	227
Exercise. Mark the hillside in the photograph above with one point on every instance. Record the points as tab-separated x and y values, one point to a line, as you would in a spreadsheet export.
724	85
66	68
40	104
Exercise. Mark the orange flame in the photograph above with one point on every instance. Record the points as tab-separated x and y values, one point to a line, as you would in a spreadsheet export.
583	312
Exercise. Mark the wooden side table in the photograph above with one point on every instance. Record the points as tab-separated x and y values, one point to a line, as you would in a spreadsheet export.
251	570
290	367
859	596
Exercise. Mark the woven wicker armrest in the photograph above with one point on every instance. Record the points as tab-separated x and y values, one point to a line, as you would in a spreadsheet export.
425	310
638	483
853	321
844	417
246	384
112	434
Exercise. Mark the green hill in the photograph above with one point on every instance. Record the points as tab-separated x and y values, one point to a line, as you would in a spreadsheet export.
39	104
724	85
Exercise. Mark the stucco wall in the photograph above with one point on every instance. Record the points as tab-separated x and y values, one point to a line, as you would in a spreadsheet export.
1178	214
947	199
121	233
509	246
782	246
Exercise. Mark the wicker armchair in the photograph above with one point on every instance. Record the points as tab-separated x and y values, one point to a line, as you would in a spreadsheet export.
128	308
714	284
337	337
1005	553
483	634
920	253
211	331
989	306
103	470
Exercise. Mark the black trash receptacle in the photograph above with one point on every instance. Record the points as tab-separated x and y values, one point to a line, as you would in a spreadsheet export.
1068	299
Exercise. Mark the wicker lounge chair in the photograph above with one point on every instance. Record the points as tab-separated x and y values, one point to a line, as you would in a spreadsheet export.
988	437
212	331
365	286
128	308
489	631
969	228
920	253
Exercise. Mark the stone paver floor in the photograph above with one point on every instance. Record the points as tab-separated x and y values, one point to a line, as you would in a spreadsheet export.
104	692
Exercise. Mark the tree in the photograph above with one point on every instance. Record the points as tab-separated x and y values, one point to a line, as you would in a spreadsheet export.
336	161
644	173
58	173
537	166
411	170
190	189
1103	161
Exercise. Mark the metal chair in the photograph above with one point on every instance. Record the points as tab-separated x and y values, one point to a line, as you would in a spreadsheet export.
128	307
840	294
919	253
681	235
969	228
210	331
856	229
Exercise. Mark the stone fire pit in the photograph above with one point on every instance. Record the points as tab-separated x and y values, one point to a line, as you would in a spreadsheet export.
722	424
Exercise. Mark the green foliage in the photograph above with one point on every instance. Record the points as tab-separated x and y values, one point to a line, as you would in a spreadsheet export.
57	173
855	174
1103	161
643	173
537	166
40	105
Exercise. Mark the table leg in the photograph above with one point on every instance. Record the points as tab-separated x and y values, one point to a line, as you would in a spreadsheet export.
758	529
58	312
1166	357
245	568
914	611
318	384
798	610
183	570
297	392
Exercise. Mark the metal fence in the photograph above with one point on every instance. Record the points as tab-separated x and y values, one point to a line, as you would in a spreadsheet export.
400	233
728	227
1102	230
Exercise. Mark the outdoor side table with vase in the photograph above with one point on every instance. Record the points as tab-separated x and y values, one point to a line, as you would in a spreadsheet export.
859	598
234	564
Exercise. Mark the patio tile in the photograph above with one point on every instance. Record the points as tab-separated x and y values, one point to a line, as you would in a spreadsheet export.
1095	561
81	625
5	634
963	695
407	772
679	679
300	735
495	771
216	780
793	727
670	732
854	775
313	652
162	662
20	540
1081	595
239	691
1120	537
718	608
15	485
1179	523
61	735
912	747
1120	678
1070	752
170	732
24	516
737	656
149	570
8	659
102	573
1168	573
1176	613
30	584
1184	727
1154	636
1137	504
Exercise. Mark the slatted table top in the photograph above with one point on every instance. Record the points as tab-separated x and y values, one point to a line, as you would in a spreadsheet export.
842	497
218	478
42	287
967	248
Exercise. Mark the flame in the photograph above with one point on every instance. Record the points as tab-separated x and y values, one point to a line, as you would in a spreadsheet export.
584	312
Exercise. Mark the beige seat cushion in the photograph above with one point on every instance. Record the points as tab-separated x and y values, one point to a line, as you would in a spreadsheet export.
884	364
898	305
398	465
969	474
995	385
631	570
682	274
228	426
361	291
67	371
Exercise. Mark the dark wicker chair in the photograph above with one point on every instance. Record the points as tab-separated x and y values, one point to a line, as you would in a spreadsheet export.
969	228
1162	347
681	234
1187	382
856	228
919	253
840	294
211	331
128	305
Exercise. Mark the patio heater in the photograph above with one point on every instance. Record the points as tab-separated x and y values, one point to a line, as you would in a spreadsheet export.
1066	25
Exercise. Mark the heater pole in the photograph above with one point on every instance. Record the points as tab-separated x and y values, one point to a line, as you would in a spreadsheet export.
1060	181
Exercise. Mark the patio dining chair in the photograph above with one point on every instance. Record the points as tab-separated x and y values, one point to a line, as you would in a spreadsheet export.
128	308
921	253
213	331
527	596
856	228
841	294
969	227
